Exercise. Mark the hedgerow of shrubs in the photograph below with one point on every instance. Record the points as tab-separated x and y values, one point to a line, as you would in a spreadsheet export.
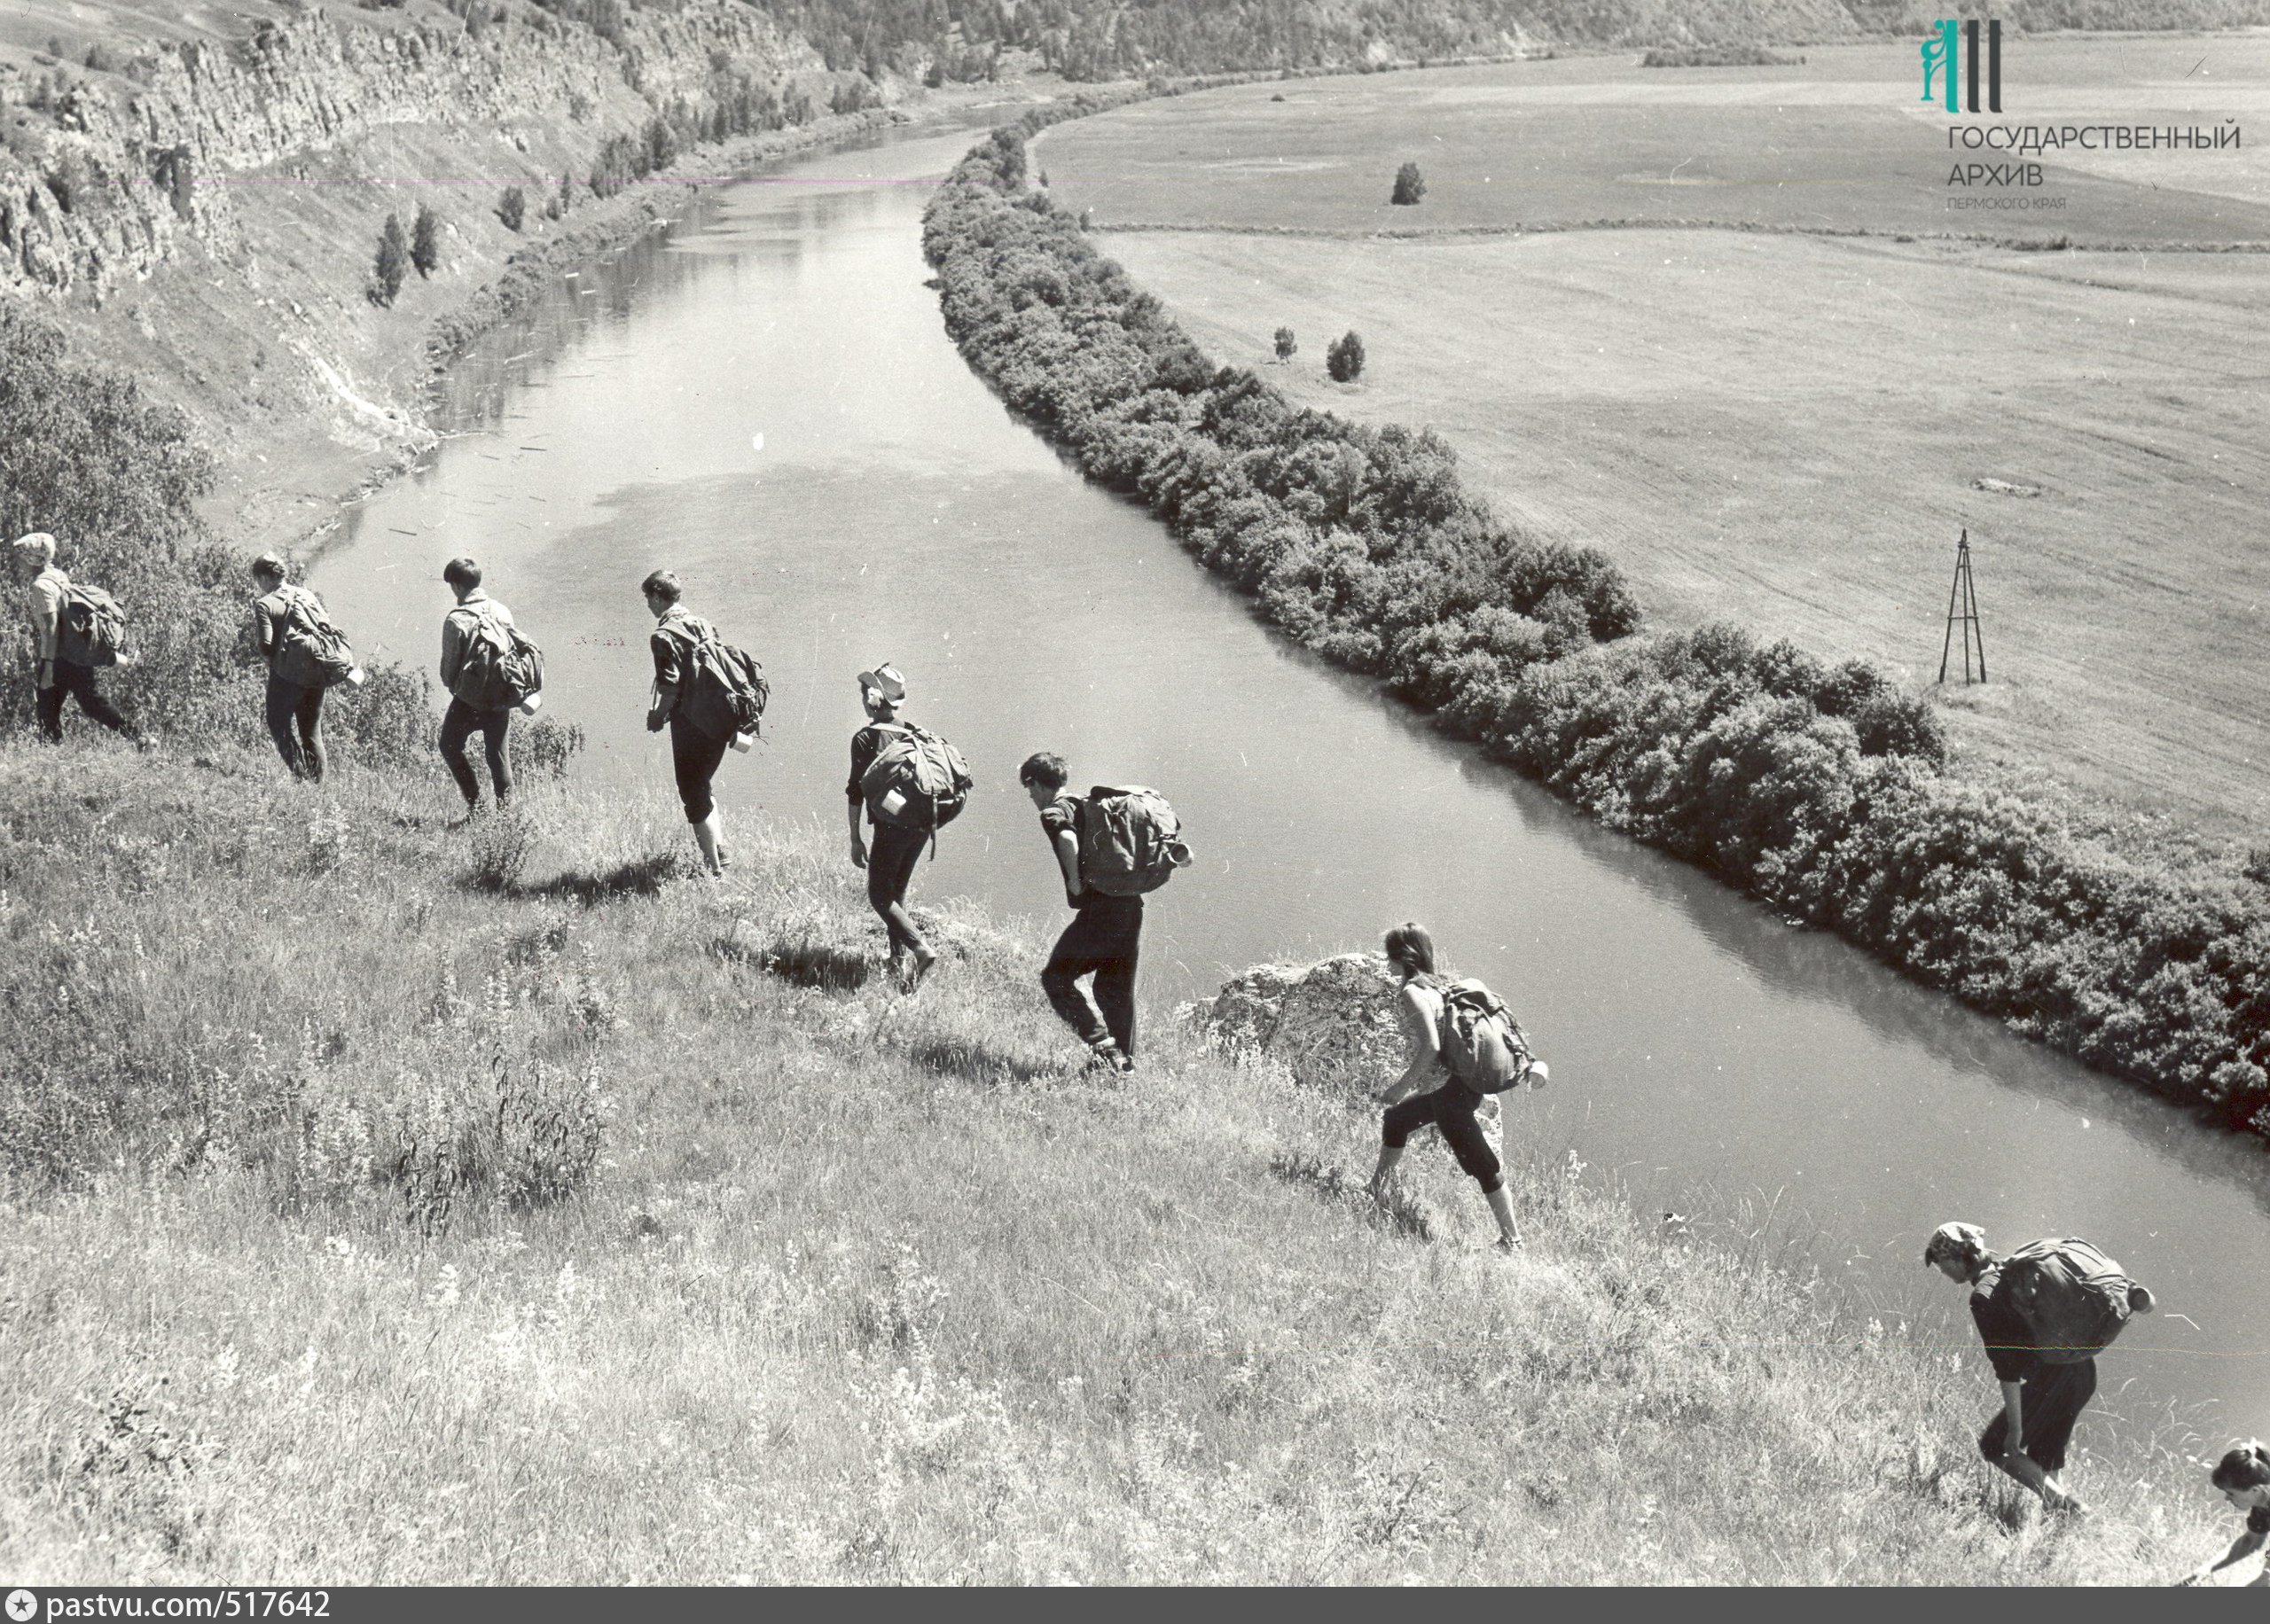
1817	788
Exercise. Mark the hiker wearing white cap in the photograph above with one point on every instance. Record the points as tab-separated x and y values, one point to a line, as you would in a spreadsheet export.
890	858
2048	1370
57	675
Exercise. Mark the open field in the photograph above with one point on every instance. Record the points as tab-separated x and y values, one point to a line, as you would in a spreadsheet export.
1788	431
846	1287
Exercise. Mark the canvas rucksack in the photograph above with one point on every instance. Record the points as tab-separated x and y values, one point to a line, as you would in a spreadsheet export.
89	627
501	666
2073	1299
310	652
1130	842
1481	1044
916	779
722	691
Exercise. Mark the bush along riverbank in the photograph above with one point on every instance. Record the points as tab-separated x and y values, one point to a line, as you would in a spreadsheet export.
404	1204
1821	790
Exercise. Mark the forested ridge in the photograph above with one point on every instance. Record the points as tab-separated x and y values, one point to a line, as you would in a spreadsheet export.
1819	789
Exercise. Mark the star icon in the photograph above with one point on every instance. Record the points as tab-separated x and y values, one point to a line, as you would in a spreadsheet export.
22	1605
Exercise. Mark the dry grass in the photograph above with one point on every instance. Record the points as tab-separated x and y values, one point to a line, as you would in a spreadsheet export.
1783	430
860	1287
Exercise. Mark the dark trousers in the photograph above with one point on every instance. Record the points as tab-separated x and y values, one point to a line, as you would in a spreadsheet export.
295	722
892	854
1104	941
2050	1402
78	682
458	724
695	759
1451	1109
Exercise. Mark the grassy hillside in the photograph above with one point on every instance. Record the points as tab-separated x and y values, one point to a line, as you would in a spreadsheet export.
390	1202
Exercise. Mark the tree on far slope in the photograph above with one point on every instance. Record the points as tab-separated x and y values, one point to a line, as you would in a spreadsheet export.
1409	188
1288	345
426	242
392	264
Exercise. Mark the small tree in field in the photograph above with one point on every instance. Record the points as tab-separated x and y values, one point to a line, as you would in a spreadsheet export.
1408	187
426	242
512	208
392	264
1286	345
1343	358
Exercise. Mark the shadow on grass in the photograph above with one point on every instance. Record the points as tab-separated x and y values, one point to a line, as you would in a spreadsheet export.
1402	1212
954	1055
640	877
824	966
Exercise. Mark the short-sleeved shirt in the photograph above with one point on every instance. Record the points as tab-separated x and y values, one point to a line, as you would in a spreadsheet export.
44	604
865	745
2009	1342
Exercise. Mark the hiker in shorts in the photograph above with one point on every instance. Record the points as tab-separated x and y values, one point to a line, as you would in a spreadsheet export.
889	859
54	678
1447	1103
2244	1476
2041	1400
466	716
294	713
1103	943
695	756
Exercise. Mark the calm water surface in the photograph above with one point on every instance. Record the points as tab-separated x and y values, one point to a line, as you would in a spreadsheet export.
766	400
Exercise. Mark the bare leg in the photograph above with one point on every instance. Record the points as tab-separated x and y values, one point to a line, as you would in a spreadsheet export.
705	836
1509	1233
2029	1471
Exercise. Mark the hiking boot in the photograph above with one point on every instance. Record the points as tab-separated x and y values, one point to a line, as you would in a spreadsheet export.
1106	1057
1509	1246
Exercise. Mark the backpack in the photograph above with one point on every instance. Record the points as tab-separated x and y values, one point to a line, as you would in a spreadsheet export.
89	627
722	690
1130	842
916	779
1483	1045
2073	1299
310	652
501	666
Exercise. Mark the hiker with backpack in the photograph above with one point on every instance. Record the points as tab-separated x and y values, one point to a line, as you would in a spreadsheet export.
488	677
908	784
1111	847
306	656
2043	1313
74	628
1465	1047
710	695
2243	1478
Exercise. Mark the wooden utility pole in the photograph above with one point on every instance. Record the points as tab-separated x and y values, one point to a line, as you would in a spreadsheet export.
1962	608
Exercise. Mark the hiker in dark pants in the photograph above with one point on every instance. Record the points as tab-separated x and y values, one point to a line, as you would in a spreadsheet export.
1104	940
295	713
889	859
1447	1103
465	717
2244	1476
695	756
54	678
2040	1401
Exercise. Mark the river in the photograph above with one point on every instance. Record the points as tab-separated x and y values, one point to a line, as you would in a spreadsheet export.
765	400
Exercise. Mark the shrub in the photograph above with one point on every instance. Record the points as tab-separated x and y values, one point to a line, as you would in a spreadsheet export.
1285	344
1409	188
426	242
1343	358
512	208
392	264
